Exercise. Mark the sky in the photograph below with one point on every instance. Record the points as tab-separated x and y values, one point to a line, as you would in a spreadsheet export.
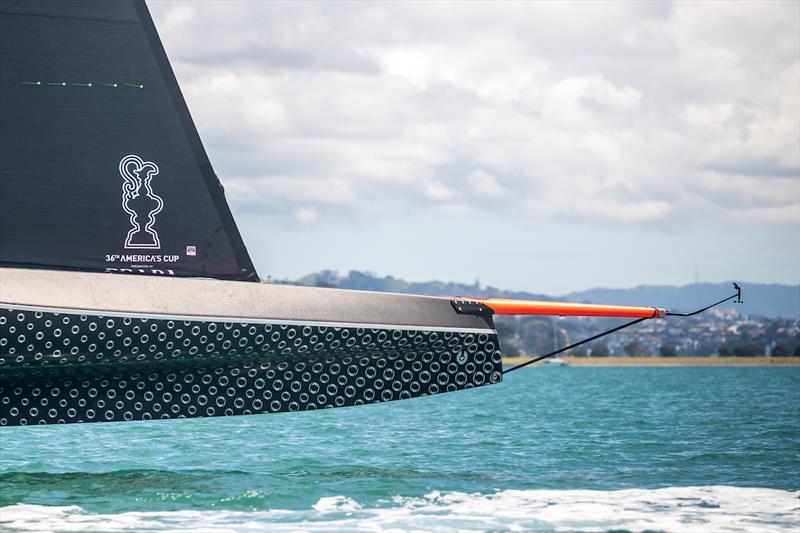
549	147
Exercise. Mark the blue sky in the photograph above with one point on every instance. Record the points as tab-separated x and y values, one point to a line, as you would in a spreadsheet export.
550	147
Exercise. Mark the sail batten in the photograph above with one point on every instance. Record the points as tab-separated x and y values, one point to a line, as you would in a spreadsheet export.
101	166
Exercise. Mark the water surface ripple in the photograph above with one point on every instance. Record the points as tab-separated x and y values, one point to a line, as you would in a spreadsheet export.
550	449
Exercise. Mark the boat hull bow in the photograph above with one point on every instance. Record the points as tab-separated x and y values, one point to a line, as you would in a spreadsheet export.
61	365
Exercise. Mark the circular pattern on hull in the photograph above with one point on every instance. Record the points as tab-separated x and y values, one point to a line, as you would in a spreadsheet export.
62	368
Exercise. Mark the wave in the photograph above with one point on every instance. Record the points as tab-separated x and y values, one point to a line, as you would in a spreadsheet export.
672	509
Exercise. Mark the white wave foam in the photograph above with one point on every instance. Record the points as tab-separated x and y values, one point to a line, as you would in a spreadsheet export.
336	503
674	509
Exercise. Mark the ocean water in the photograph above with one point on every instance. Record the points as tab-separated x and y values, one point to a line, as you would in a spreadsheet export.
549	449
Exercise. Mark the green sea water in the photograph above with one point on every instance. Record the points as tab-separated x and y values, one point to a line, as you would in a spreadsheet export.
549	449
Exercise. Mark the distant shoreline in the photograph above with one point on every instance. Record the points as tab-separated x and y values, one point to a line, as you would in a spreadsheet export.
669	361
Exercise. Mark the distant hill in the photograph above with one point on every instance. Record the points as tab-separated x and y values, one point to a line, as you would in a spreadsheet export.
367	281
769	300
762	299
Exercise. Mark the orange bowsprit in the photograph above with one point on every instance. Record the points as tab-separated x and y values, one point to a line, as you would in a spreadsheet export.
502	306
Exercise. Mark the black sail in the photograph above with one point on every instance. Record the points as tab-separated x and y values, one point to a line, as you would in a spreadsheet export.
101	167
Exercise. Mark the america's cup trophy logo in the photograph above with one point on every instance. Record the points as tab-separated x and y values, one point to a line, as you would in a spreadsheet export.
140	202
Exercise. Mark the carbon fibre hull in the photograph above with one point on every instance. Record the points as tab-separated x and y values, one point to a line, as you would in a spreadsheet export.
68	364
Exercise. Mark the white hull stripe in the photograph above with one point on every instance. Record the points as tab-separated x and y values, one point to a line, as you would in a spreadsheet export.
239	320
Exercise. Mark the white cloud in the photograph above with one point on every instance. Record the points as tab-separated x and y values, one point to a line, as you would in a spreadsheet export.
621	112
305	215
484	184
438	192
577	101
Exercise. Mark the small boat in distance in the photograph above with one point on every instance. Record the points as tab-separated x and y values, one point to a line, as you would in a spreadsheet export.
126	291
